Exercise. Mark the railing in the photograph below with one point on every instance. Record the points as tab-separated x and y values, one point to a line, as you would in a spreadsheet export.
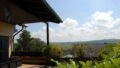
31	54
13	63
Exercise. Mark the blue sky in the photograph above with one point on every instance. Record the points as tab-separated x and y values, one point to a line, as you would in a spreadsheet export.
82	19
82	9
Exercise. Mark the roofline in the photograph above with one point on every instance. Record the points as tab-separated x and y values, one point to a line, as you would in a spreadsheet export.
52	11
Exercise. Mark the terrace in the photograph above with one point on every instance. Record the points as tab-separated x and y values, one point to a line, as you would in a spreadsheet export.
20	12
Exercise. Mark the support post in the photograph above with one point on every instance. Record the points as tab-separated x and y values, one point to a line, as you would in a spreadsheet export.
47	29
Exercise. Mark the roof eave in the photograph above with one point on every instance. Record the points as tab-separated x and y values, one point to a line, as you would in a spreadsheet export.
52	13
59	20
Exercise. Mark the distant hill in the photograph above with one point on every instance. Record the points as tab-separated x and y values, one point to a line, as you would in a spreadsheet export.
89	42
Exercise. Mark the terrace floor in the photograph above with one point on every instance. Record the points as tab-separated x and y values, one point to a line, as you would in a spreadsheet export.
32	66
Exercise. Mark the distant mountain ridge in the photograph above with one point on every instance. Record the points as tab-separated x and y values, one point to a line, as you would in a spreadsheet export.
88	42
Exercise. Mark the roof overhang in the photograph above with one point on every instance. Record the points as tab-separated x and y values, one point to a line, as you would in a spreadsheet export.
30	11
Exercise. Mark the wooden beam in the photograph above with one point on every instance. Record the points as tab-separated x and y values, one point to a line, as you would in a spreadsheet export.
47	29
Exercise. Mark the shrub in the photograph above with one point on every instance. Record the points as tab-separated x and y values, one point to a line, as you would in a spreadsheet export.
79	51
113	63
111	60
52	51
110	51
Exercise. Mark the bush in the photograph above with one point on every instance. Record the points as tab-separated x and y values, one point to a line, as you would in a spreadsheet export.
106	51
79	51
113	63
52	51
111	55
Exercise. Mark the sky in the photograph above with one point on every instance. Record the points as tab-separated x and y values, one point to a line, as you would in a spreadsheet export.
83	20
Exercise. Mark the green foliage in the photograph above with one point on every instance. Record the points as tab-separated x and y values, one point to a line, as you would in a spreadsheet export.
110	51
37	45
86	64
91	51
25	43
113	63
104	53
72	64
78	50
53	51
111	59
66	49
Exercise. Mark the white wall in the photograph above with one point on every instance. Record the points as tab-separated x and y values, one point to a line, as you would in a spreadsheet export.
7	30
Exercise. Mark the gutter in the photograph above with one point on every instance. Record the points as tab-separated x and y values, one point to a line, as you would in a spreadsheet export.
23	27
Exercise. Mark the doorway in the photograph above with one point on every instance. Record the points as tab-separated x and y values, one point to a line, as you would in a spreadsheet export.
4	44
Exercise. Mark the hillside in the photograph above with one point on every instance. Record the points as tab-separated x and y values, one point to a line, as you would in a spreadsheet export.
89	42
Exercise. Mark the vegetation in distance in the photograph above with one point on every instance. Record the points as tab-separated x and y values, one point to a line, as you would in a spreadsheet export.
110	58
26	43
109	55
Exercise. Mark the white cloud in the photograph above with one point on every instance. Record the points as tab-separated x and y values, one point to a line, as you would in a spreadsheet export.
69	23
100	26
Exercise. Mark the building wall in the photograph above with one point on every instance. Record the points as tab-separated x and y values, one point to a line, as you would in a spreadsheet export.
7	30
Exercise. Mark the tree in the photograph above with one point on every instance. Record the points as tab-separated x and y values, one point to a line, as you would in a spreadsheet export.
53	51
25	43
104	53
79	50
91	51
37	45
24	40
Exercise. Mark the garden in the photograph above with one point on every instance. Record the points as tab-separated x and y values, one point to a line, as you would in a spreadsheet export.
107	57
